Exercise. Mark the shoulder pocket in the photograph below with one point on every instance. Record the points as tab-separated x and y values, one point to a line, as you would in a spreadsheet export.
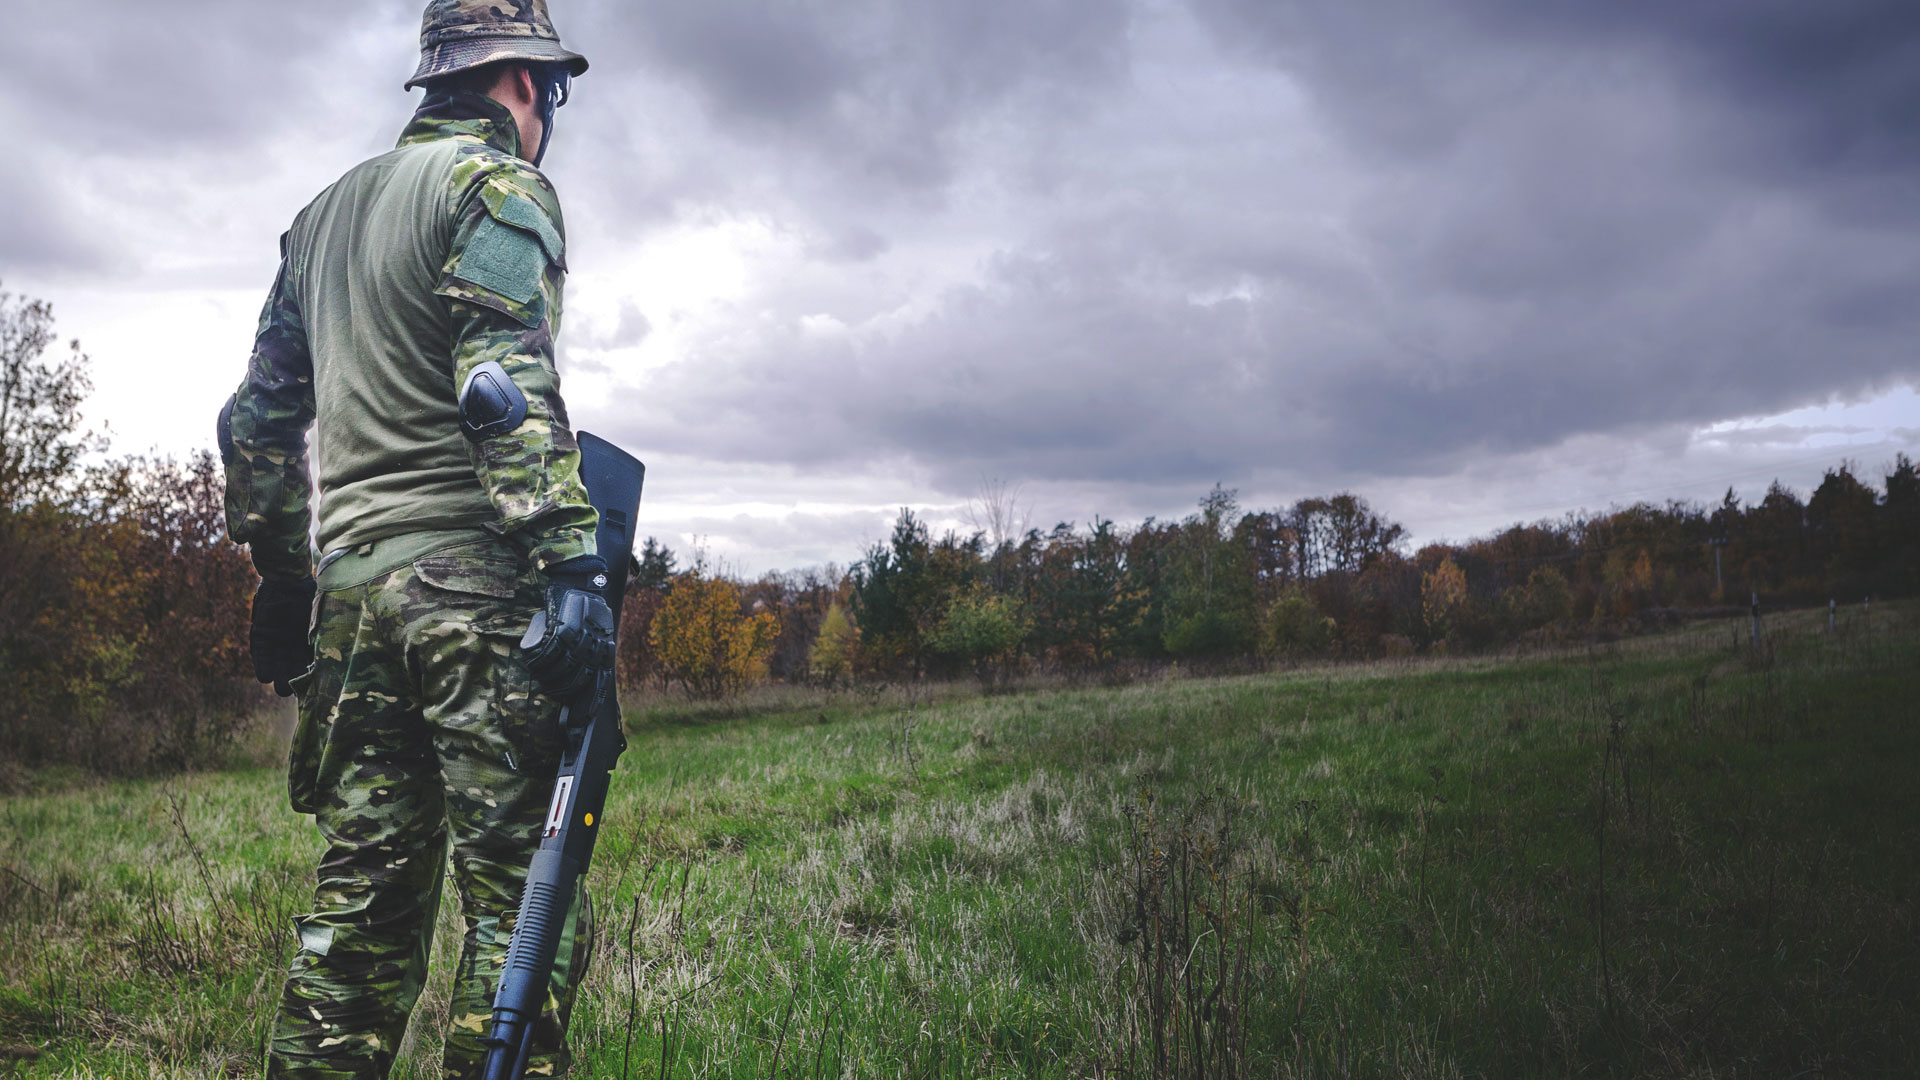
510	206
503	261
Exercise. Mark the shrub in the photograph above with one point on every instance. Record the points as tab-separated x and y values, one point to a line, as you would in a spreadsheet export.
123	623
703	640
981	628
1295	629
123	608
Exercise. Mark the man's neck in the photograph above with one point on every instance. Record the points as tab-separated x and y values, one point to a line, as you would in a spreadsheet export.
449	115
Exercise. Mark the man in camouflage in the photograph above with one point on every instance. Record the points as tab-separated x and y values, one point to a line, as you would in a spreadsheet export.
413	318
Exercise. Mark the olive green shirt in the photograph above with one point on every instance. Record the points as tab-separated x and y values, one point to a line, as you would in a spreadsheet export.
399	279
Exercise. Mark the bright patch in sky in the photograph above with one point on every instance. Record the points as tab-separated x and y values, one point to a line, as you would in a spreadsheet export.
831	260
1889	418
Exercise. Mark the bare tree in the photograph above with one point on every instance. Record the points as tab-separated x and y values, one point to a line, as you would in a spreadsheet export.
995	512
41	442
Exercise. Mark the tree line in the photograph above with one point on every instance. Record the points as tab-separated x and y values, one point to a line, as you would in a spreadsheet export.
1326	577
123	608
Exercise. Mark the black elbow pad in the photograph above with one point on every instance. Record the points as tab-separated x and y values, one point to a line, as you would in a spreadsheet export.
223	434
490	403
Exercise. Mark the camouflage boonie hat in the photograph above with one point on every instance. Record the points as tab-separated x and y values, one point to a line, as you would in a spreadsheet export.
459	34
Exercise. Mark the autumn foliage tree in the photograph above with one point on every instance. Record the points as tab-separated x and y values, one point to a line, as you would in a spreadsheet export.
704	640
123	608
1443	590
636	664
835	649
803	600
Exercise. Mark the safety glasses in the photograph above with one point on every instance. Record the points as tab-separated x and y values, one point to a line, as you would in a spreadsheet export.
555	86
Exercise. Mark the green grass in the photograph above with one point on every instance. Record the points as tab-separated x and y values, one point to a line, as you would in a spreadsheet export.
1665	857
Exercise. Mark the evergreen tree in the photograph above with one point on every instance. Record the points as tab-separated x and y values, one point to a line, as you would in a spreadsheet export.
1900	525
891	598
656	566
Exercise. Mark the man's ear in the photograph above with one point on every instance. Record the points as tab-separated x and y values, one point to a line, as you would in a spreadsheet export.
513	86
520	85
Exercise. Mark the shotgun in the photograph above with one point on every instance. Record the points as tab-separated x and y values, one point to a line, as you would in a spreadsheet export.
613	479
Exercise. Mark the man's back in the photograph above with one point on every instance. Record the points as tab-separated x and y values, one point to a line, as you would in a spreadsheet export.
364	260
400	280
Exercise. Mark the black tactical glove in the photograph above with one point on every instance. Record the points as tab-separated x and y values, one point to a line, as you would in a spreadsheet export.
282	610
569	647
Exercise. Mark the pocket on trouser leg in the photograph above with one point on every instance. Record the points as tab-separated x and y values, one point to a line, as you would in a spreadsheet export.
485	570
464	614
317	690
309	742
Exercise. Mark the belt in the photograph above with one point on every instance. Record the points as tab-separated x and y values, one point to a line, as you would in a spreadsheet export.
343	568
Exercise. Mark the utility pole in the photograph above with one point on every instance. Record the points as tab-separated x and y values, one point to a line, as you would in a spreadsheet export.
1719	585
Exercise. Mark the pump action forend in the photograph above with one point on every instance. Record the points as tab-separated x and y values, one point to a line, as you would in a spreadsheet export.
613	479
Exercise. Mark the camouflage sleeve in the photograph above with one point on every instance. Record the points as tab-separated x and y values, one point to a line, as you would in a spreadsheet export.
264	442
504	274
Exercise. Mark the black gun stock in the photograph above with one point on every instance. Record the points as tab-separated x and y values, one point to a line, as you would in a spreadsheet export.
613	478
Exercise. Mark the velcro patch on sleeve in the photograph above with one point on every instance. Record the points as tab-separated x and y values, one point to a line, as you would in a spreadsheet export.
516	209
503	259
507	252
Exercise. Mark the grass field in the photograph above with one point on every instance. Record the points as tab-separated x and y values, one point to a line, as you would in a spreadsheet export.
1672	856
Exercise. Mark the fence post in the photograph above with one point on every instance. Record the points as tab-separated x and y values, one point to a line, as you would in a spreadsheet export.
1753	634
1833	606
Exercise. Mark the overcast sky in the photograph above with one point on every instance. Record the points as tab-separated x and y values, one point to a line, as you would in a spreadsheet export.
1480	261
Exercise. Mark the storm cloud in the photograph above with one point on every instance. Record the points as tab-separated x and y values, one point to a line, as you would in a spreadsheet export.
1112	250
1421	232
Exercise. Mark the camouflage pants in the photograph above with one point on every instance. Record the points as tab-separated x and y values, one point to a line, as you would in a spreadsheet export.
419	733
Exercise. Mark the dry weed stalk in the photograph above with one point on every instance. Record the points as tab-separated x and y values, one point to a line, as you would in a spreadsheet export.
1194	937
